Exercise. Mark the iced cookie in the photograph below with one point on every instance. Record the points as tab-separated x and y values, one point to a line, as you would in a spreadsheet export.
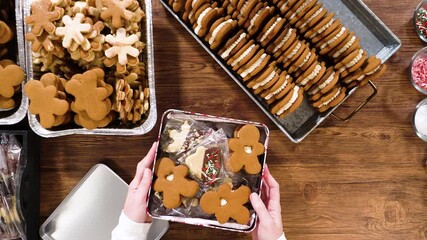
233	45
205	163
270	30
172	181
279	89
245	149
328	81
282	42
312	75
205	16
299	10
254	66
351	63
226	203
332	40
257	19
243	55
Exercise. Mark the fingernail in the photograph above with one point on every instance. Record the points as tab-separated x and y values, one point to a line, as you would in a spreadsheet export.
253	196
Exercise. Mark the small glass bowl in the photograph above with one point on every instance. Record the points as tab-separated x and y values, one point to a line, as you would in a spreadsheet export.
422	53
422	33
423	103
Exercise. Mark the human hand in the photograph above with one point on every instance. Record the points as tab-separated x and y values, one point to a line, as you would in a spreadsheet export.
268	208
136	201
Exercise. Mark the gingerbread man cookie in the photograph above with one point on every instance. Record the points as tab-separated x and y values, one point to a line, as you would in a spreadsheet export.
116	10
45	102
226	203
43	14
172	182
246	148
10	77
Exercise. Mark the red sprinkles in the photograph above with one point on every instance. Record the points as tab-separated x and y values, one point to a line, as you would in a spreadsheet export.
419	72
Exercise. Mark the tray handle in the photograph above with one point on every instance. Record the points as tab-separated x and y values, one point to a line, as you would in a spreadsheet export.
375	90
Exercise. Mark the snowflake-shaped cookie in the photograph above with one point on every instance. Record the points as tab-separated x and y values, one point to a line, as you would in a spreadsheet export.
122	46
72	31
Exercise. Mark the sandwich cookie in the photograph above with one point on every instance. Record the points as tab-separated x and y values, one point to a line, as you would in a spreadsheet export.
280	88
270	30
332	40
371	70
325	26
220	31
281	42
254	66
312	75
330	99
301	60
299	10
233	45
285	5
191	6
328	81
205	16
258	19
243	55
351	63
177	5
292	54
265	79
350	43
289	103
312	17
378	73
244	10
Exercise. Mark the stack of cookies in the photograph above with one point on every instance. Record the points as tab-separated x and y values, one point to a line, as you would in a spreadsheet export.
93	46
11	75
283	50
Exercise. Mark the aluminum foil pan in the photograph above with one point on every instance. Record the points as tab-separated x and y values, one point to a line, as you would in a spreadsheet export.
16	115
147	57
180	214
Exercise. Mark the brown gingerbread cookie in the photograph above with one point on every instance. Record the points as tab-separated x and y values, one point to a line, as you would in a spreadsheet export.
227	203
220	31
289	103
330	99
245	149
233	45
172	182
11	77
43	13
45	102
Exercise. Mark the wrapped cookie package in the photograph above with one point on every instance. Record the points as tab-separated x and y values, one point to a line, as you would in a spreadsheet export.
90	71
205	169
13	104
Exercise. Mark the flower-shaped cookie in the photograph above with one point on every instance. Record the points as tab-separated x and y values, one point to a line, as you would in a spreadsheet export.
172	181
10	77
72	31
246	148
45	103
116	10
122	46
226	204
43	13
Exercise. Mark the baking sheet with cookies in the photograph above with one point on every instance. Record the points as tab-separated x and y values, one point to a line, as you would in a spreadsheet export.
91	57
196	157
13	104
345	34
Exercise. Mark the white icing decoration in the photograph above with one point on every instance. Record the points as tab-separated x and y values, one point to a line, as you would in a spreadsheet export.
311	18
227	52
327	82
217	29
223	202
312	75
170	177
200	19
289	104
285	39
178	137
270	29
248	149
346	46
243	55
283	86
254	66
266	80
330	41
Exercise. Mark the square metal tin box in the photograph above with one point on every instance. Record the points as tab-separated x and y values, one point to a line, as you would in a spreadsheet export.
147	56
228	125
375	37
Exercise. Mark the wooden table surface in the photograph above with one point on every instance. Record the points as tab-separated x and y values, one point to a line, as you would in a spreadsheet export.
364	179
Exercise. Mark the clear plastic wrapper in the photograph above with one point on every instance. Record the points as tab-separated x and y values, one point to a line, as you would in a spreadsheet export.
205	156
12	163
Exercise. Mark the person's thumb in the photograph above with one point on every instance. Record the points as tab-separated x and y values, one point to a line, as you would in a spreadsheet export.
260	208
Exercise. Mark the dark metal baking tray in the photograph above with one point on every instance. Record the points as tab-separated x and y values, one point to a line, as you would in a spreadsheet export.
375	37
